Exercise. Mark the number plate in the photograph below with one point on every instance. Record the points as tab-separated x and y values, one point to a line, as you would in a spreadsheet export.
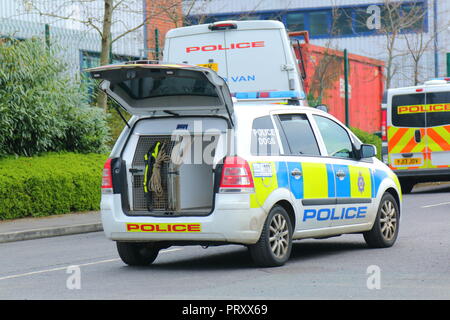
212	66
407	161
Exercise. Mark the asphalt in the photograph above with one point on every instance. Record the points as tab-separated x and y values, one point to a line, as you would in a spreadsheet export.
52	226
76	223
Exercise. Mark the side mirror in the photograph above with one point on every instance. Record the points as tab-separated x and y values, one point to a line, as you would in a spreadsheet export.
367	151
322	107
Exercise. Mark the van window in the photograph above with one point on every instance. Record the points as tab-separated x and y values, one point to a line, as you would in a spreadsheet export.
408	119
300	138
439	118
335	137
264	141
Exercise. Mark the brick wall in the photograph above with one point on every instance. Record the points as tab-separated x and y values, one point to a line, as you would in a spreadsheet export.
162	15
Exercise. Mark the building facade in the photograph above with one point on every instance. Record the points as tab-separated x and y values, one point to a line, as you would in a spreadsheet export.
70	27
411	37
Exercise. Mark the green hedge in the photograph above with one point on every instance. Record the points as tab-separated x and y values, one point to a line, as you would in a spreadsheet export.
368	138
54	183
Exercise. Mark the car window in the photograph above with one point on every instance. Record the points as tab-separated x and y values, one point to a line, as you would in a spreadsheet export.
264	141
405	109
335	138
299	137
438	109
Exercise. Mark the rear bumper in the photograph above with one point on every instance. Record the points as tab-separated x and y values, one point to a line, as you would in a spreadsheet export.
424	174
232	221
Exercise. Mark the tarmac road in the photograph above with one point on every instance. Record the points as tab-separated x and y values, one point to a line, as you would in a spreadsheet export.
417	267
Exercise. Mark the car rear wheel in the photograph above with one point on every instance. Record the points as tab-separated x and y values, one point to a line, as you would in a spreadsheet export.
385	228
275	243
136	253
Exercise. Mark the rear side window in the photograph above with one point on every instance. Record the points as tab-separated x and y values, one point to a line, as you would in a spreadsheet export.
438	109
299	136
264	140
405	110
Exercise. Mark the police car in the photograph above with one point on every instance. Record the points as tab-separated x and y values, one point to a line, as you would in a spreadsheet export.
194	167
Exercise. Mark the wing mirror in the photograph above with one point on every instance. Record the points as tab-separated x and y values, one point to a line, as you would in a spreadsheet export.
367	151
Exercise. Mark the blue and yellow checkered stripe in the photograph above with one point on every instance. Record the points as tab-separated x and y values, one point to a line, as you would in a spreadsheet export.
318	181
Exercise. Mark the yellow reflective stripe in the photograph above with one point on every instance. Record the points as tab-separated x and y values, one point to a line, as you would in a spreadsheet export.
360	182
263	186
156	150
315	180
441	145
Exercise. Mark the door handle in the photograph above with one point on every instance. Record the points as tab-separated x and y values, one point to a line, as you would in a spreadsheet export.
296	173
417	136
340	174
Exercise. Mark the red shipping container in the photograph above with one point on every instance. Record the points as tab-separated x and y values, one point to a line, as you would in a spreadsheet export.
324	69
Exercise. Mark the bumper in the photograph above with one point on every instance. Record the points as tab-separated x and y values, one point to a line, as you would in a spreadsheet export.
424	174
232	221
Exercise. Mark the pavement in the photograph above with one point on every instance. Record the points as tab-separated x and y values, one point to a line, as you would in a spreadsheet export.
52	226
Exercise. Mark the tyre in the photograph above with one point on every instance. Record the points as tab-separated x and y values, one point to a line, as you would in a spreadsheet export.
137	254
385	228
275	243
407	186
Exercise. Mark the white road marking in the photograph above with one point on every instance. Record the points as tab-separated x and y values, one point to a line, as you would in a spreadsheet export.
436	205
64	268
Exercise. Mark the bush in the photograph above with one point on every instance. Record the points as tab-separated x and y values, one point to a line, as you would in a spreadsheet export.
50	184
368	138
41	108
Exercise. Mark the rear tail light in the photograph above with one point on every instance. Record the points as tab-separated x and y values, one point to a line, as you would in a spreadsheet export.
236	176
384	125
107	185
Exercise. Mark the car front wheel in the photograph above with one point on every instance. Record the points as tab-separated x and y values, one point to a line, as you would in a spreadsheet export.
385	229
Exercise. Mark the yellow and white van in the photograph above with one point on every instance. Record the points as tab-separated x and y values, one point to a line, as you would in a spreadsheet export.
419	133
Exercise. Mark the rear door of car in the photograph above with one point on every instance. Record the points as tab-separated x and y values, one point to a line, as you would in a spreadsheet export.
165	90
308	171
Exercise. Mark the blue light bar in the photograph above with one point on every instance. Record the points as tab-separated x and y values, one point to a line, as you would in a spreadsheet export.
270	94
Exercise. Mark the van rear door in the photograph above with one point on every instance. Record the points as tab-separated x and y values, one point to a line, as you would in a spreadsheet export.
149	89
438	128
419	130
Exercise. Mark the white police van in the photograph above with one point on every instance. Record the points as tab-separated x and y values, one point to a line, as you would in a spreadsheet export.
194	168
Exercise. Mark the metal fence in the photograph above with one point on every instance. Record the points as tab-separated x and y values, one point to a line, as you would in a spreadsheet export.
79	47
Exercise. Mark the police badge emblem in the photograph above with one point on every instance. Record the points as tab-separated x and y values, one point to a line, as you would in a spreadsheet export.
361	183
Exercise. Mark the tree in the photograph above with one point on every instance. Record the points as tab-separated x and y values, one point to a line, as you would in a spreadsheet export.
102	20
41	109
392	19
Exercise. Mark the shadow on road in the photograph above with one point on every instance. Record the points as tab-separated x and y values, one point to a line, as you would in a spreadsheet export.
431	188
239	257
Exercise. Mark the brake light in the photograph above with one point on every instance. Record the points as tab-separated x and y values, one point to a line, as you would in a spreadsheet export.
384	124
107	184
236	176
222	26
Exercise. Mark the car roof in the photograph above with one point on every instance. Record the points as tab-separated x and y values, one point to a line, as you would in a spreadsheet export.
249	110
